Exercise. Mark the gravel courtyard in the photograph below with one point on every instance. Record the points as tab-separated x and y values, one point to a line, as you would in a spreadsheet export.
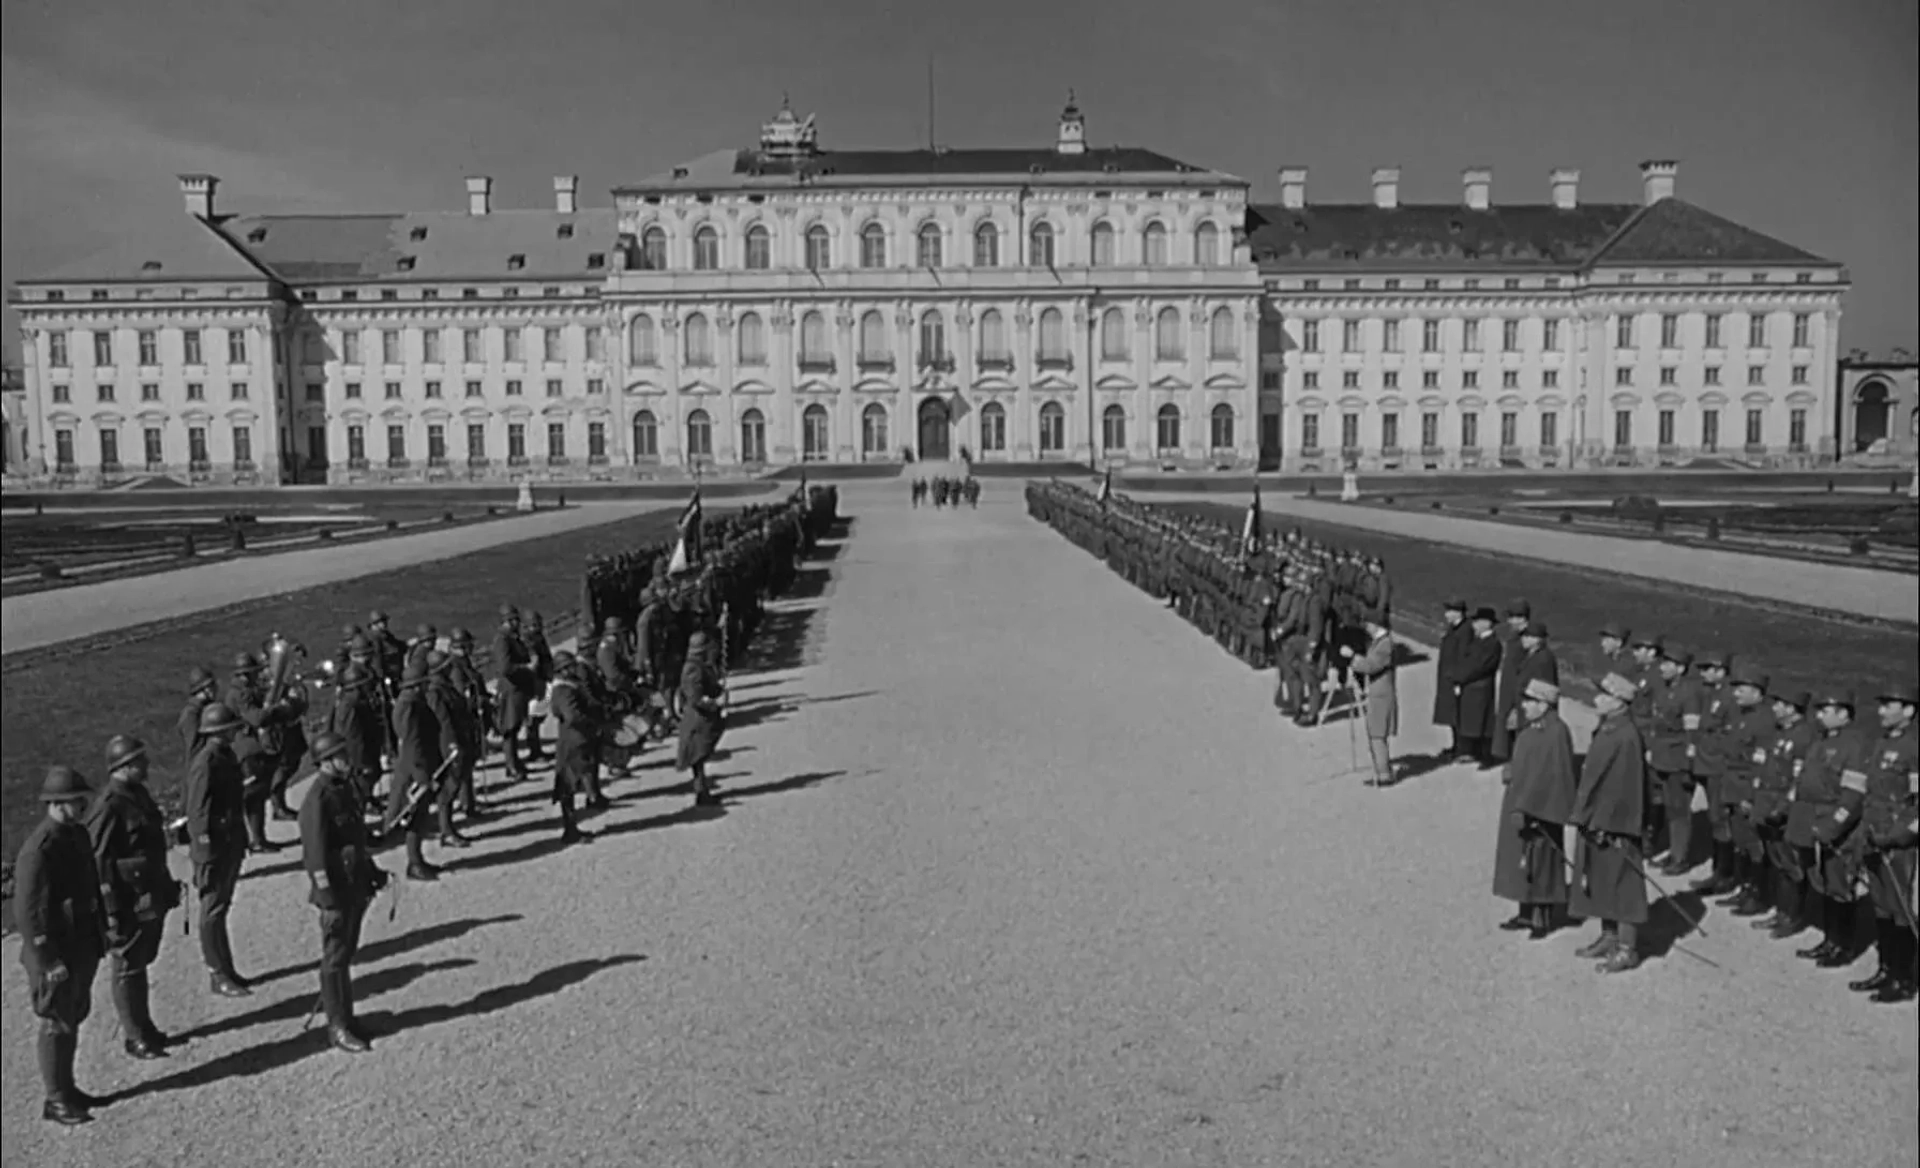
1016	869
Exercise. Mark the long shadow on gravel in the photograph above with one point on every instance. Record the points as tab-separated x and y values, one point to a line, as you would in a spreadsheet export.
394	946
1667	922
540	985
256	1059
773	709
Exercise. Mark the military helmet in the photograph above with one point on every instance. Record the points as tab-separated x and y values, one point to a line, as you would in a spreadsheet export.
426	632
123	749
217	718
376	617
245	664
614	624
460	637
64	785
437	662
349	632
327	745
201	678
359	645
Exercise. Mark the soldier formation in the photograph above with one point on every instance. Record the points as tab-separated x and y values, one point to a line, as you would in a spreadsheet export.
92	880
946	492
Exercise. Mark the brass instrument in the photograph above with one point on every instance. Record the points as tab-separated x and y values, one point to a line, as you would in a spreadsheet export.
287	681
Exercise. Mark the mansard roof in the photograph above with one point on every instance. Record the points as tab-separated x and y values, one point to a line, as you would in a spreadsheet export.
182	249
430	245
743	169
1443	236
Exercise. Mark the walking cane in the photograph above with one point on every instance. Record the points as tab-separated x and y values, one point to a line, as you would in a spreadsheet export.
1663	892
1893	881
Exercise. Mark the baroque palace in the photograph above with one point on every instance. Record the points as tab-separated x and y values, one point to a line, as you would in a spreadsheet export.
792	303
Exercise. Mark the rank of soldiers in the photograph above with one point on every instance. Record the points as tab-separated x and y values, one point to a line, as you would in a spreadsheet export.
945	492
92	882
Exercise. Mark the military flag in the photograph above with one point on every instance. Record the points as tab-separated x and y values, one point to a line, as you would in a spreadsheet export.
686	550
1106	488
1250	529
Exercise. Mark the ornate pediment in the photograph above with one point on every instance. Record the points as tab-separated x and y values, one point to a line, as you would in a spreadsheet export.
1226	381
816	385
753	387
699	388
1051	383
875	385
1116	381
1170	381
648	388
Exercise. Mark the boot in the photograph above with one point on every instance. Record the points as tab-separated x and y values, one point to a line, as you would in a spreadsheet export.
1884	947
1847	932
143	1004
1522	919
129	988
570	832
281	811
1720	879
417	866
449	836
54	1055
257	841
1823	915
1626	954
1904	985
1601	946
1545	922
336	992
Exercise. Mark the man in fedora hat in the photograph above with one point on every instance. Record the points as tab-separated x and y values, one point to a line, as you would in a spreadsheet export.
129	835
1476	669
56	908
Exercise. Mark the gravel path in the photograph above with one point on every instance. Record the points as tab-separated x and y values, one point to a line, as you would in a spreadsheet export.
62	614
1017	870
1864	592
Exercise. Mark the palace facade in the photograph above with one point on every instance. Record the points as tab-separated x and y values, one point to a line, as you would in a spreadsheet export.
771	305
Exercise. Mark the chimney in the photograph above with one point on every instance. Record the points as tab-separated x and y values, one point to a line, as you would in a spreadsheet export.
1293	187
1656	180
479	195
197	190
565	187
1566	188
1478	187
1386	187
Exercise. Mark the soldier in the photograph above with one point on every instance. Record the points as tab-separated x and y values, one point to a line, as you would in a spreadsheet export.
1607	811
1773	785
472	689
616	665
57	912
389	652
416	768
1613	649
1530	852
202	687
217	840
339	861
458	729
1675	717
1885	847
1708	753
701	686
425	639
576	743
1743	755
542	654
1475	679
1446	688
257	746
515	685
357	721
129	835
1826	803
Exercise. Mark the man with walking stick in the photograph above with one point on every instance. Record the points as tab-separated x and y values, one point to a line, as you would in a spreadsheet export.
1379	697
1609	810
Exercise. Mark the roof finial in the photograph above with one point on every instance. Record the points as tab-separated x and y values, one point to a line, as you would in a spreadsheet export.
1070	99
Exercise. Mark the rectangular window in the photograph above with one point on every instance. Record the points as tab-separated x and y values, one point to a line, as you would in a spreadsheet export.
1430	430
353	389
1666	427
1430	379
1549	379
473	389
1310	432
149	347
1756	375
476	441
548	340
1270	379
1469	431
350	347
1349	431
1710	430
596	386
596	441
1756	427
515	340
1390	336
190	347
390	351
196	391
393	391
1390	431
433	389
1797	430
316	392
110	450
1549	429
436	444
242	445
149	393
1623	375
1470	336
1509	428
1713	330
517	442
1390	379
1310	336
1669	331
1429	336
1350	379
1623	429
103	349
1550	335
1800	373
357	445
1711	375
1669	375
556	439
470	347
63	449
155	455
62	394
1510	379
57	350
239	391
430	346
1510	335
513	388
596	343
1309	380
1802	326
103	392
554	387
1756	331
1350	336
397	445
1623	332
1470	379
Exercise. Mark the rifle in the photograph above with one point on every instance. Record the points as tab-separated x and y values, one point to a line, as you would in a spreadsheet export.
420	791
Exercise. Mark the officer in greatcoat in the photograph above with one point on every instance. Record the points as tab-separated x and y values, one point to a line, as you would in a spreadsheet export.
1827	800
137	890
56	909
1530	853
1608	811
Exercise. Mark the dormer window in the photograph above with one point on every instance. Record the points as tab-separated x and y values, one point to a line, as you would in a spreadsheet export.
564	231
406	263
417	234
516	262
150	266
596	260
680	172
469	293
257	235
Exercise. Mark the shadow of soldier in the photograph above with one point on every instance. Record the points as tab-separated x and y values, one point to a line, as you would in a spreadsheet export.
386	947
1668	923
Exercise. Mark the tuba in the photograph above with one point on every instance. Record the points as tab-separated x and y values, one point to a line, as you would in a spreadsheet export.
284	683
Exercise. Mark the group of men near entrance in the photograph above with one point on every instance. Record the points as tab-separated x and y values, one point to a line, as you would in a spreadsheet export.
945	491
92	881
1812	797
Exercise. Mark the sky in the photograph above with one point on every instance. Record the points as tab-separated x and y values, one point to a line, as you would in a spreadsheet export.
1795	117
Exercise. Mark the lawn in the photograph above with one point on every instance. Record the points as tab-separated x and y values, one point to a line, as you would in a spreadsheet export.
1583	484
1803	647
62	703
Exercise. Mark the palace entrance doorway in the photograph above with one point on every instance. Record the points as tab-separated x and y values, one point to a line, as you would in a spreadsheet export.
936	431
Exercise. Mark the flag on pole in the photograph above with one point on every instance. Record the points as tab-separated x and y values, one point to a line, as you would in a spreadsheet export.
1250	530
686	550
1106	488
806	500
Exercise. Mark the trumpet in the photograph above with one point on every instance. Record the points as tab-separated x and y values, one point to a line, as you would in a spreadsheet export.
288	680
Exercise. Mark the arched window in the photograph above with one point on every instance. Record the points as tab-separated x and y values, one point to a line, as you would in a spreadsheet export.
874	349
1221	426
1040	245
933	341
1166	428
706	249
993	428
927	246
873	430
1053	428
1153	246
643	344
751	339
1166	335
758	255
653	250
993	337
1115	344
1113	428
1103	245
819	248
1053	337
1223	341
986	246
753	437
698	335
814	349
873	246
1206	245
646	436
699	435
814	438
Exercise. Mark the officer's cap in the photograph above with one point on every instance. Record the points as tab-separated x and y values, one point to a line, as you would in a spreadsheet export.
1647	641
1616	630
1519	607
1677	655
1799	699
1710	659
1483	613
1619	687
1456	606
1747	673
1542	690
1839	698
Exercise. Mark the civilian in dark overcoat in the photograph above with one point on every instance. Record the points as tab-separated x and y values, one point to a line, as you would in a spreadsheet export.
1507	690
1477	663
1446	686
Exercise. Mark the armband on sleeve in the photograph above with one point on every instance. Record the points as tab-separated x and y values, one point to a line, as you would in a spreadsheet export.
320	880
1690	721
1852	780
1842	814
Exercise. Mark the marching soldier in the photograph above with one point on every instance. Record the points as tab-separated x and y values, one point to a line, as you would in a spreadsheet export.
1530	853
468	683
56	910
389	652
202	688
1607	810
358	722
416	768
700	720
515	685
457	732
1885	847
425	639
576	746
339	862
129	835
217	840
